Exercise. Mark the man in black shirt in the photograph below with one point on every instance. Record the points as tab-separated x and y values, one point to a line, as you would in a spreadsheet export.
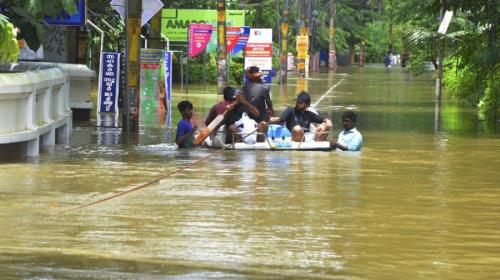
259	96
298	120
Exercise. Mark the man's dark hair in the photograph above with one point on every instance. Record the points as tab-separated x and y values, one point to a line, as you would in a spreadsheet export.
229	93
184	105
303	96
350	115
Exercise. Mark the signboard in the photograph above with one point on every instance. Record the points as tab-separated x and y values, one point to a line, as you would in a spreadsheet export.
443	27
199	36
149	9
242	40
302	46
232	36
168	86
150	75
78	19
109	80
259	51
175	22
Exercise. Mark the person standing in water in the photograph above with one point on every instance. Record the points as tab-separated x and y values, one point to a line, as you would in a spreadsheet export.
185	130
259	96
350	139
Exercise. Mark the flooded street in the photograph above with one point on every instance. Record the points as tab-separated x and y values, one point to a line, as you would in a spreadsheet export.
421	201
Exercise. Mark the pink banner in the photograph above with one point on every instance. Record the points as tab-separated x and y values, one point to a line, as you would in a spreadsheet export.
232	36
199	36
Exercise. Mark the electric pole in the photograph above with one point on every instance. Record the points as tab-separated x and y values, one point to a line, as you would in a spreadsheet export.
332	56
221	46
284	44
133	10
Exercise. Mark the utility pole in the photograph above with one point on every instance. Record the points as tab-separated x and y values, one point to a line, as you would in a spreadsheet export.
362	52
439	58
154	41
221	46
391	15
133	9
303	31
284	44
332	56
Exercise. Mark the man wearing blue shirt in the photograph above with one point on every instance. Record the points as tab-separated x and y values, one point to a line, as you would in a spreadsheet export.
349	139
185	130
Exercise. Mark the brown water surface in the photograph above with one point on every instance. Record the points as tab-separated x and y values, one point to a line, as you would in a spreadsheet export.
421	201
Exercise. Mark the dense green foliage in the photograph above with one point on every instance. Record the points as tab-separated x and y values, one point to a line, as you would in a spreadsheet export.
8	43
471	67
27	16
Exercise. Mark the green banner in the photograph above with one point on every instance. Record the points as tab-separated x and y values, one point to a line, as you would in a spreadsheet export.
175	22
152	107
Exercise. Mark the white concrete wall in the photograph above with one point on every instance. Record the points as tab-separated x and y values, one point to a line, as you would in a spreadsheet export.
34	107
80	79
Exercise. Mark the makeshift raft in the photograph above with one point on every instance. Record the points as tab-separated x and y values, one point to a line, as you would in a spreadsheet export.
278	138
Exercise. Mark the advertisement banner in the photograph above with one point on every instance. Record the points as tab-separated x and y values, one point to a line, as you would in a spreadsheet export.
150	76
175	22
259	51
242	40
78	19
232	36
302	46
109	80
199	36
212	44
168	86
261	35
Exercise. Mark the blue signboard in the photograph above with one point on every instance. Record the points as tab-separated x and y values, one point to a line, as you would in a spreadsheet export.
168	85
109	80
242	40
80	18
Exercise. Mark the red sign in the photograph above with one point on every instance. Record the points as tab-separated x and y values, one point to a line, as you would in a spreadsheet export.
259	50
232	36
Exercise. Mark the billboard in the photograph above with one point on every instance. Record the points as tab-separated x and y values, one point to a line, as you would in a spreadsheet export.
107	96
259	51
199	35
80	18
175	22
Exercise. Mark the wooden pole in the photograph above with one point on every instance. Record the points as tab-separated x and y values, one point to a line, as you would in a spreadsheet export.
284	44
221	46
332	56
154	41
133	10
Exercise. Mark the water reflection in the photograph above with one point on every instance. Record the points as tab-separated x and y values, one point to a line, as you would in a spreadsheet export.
107	135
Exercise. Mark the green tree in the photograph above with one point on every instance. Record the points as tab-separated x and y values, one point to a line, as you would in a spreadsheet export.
471	68
9	49
27	15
